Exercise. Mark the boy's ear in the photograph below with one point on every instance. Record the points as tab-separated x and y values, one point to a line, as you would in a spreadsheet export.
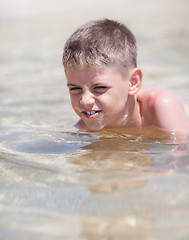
135	81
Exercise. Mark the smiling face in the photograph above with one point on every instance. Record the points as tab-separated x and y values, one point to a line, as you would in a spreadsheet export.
98	96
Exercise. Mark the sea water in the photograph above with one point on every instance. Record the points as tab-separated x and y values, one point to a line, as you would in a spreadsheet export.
57	182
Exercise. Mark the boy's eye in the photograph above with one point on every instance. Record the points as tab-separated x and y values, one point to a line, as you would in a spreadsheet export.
75	90
100	89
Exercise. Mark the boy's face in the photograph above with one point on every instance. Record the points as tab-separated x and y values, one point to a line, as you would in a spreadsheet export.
99	96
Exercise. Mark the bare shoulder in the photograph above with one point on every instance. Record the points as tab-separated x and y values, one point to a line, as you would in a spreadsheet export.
155	96
186	107
152	92
163	109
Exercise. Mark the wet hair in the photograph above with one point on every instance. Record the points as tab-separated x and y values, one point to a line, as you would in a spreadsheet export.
100	43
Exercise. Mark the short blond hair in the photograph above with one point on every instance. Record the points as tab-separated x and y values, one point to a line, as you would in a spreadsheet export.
99	43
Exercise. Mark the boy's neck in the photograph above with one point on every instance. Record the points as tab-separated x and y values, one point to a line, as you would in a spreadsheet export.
134	117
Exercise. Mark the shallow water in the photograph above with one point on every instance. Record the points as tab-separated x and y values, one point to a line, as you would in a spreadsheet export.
59	183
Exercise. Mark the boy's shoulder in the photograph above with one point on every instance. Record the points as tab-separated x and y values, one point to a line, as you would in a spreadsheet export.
162	108
153	93
153	97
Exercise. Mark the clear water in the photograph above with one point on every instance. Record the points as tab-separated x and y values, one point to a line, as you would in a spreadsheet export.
59	183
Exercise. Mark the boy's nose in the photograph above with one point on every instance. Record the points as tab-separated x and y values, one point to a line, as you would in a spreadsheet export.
87	99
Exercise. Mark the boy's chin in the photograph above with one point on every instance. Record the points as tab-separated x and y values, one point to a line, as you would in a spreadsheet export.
94	127
91	127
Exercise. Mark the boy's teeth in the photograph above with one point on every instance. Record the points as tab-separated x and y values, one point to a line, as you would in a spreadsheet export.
91	113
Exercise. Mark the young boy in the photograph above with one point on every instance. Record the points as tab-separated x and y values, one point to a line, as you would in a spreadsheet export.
105	83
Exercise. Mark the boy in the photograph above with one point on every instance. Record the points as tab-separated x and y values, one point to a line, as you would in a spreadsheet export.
105	83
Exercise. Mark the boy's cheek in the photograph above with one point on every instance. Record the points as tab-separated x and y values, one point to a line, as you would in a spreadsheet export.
73	100
75	104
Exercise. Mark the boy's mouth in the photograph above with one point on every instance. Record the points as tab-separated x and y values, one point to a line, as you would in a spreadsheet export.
90	114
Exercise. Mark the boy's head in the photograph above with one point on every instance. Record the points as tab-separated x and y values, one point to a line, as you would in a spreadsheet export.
101	43
100	65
